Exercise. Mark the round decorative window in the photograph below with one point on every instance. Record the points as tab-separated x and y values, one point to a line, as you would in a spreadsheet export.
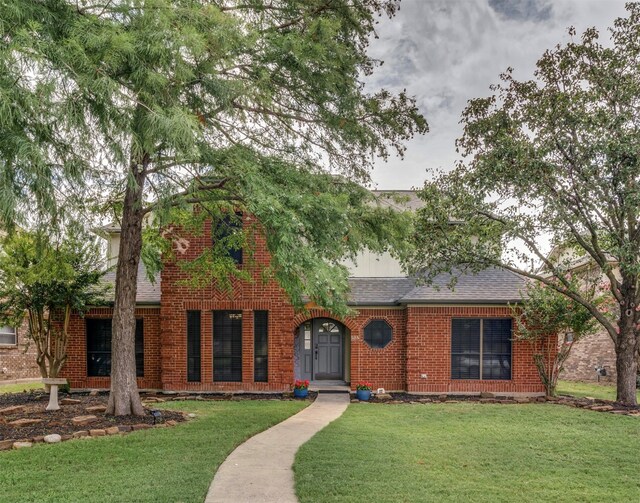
378	334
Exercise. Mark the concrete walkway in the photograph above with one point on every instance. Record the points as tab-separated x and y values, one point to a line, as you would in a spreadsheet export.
260	470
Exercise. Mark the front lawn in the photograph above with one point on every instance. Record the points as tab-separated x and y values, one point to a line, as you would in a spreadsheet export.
471	452
20	387
594	390
174	464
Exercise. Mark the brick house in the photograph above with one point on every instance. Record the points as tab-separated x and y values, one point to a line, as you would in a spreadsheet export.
401	337
17	356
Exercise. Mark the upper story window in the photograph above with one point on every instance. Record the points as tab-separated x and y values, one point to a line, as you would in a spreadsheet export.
226	231
8	336
481	348
378	334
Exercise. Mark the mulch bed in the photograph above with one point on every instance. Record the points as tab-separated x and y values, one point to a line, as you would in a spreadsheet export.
33	406
59	421
595	404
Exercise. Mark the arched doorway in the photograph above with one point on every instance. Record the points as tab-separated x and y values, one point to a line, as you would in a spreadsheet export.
320	350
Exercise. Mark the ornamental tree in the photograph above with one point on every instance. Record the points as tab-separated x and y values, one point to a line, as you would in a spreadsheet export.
544	314
44	279
552	161
131	108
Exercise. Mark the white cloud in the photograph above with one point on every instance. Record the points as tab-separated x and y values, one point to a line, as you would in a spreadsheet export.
446	52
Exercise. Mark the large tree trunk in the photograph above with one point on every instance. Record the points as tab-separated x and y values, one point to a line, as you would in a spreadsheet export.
124	398
626	363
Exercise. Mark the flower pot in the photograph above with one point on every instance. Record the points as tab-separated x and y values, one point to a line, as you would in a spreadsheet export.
363	395
301	393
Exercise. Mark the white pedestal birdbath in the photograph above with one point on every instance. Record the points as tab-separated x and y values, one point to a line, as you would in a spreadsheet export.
53	382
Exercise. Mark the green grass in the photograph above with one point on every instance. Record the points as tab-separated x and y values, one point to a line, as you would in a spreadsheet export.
18	388
470	452
164	465
594	390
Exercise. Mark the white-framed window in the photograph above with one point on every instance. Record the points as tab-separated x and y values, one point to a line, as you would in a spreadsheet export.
8	336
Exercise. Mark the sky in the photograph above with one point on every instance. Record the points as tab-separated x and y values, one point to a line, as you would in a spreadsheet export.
446	52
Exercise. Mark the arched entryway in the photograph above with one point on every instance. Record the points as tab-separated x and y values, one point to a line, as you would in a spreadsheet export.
321	350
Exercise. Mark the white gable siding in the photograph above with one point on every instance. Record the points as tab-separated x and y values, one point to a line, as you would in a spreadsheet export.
373	265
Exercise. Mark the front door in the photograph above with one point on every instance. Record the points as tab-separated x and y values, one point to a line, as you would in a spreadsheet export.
327	349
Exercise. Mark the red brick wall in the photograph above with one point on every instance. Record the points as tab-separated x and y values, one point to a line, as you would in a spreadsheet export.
429	352
75	369
15	363
177	298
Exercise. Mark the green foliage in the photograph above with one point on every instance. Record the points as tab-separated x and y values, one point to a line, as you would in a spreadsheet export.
240	105
43	278
544	312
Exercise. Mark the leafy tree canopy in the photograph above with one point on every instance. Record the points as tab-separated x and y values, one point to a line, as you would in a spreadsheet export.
44	279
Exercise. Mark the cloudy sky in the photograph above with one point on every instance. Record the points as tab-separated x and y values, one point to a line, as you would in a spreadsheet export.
446	52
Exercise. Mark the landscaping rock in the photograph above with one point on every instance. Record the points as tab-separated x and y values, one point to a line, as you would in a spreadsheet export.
141	426
21	445
94	392
443	398
82	420
191	415
96	409
522	399
124	428
486	394
70	401
602	408
54	438
80	434
114	430
38	440
171	422
383	396
24	422
97	433
6	444
12	410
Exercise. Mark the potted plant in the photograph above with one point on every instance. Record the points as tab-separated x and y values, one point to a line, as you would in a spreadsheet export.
301	389
363	391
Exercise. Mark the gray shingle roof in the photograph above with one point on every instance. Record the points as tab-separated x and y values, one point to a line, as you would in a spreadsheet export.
148	293
490	286
378	291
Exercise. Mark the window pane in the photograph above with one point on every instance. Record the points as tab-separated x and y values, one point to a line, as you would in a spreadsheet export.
378	334
224	231
496	349
465	348
261	345
227	346
8	335
99	347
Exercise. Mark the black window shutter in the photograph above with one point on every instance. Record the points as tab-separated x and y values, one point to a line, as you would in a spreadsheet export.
260	345
227	346
193	346
465	348
139	348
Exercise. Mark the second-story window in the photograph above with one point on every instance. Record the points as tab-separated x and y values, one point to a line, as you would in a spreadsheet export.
227	232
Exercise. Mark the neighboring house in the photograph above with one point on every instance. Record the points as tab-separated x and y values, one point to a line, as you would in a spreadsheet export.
403	337
17	356
593	352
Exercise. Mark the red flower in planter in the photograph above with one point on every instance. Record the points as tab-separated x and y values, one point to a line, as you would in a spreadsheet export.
364	386
301	384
